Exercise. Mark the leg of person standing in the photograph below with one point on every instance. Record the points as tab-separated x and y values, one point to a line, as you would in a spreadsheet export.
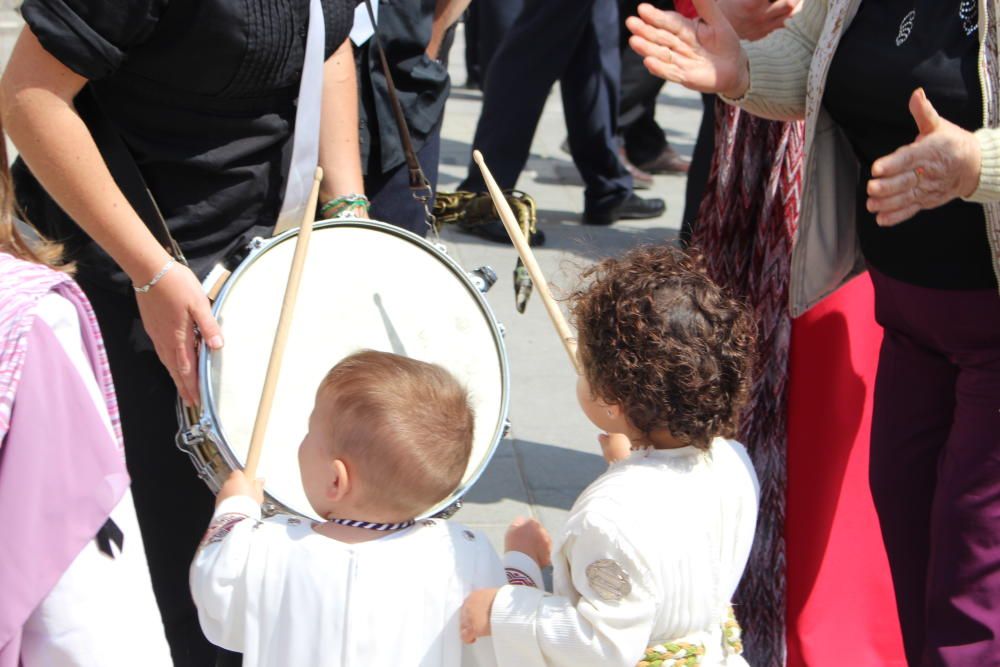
935	467
172	504
494	19
537	51
701	167
590	106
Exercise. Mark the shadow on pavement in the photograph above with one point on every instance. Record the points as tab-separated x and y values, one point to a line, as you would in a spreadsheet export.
537	474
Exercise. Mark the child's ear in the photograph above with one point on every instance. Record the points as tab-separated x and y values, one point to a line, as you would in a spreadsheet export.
340	482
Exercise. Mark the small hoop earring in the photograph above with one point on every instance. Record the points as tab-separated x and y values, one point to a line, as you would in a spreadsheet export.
610	414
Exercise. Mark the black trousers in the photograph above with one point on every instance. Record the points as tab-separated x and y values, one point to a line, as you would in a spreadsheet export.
485	26
574	42
172	504
643	137
701	166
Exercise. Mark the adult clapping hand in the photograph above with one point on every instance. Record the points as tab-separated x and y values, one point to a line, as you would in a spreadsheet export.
942	164
703	54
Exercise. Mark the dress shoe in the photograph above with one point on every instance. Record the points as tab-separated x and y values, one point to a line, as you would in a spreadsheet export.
633	207
668	161
496	232
641	180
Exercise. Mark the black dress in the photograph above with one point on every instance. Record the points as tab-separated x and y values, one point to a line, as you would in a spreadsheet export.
203	92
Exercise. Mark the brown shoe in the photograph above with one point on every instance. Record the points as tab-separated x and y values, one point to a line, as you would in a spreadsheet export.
668	161
641	180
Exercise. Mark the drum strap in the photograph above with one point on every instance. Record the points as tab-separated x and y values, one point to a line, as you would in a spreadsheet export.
420	186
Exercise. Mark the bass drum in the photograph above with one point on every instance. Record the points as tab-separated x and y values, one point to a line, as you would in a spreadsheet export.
365	285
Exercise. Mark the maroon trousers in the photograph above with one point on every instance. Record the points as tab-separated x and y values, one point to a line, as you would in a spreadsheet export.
935	468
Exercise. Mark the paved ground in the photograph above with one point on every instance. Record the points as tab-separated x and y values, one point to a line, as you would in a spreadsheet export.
551	453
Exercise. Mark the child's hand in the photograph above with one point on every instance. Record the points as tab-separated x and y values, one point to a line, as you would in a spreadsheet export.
239	485
475	616
615	446
529	537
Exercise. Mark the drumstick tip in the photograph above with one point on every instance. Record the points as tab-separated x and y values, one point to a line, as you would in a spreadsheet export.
477	157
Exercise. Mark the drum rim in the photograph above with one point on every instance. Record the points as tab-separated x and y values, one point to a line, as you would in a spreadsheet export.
208	409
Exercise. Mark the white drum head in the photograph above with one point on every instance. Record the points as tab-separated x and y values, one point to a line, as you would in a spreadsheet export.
366	285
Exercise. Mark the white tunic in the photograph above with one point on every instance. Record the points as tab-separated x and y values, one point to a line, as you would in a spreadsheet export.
102	612
282	594
665	535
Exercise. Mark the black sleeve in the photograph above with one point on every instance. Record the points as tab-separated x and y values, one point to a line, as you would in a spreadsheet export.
339	18
92	37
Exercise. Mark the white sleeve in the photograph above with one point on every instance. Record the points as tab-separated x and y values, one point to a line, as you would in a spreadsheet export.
219	572
489	573
610	623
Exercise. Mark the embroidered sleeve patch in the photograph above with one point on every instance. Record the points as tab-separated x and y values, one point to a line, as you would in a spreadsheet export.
220	527
609	580
516	577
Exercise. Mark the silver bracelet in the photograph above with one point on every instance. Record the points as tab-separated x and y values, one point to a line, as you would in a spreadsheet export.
145	288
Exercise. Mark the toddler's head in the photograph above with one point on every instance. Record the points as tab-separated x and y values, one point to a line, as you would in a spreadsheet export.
662	345
389	437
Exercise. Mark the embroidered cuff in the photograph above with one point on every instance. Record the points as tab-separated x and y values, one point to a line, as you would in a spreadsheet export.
989	171
522	570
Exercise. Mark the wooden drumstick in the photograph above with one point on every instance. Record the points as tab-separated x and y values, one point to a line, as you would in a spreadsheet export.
284	326
528	257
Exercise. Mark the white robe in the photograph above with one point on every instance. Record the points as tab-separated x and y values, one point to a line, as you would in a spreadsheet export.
102	612
282	594
675	526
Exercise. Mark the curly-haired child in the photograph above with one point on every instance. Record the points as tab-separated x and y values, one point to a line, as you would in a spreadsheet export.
653	550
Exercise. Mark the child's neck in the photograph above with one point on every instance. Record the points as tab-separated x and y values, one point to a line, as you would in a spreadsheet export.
354	534
661	439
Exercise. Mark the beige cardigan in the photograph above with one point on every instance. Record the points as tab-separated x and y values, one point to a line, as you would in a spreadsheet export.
788	72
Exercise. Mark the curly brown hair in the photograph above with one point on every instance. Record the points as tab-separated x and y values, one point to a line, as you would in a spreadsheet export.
664	342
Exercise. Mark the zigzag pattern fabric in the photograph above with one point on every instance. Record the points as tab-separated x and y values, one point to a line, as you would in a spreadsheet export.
744	228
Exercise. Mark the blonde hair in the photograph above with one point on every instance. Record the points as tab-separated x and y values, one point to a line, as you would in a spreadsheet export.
11	240
404	426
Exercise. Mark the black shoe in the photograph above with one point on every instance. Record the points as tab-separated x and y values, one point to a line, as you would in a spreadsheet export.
633	208
496	232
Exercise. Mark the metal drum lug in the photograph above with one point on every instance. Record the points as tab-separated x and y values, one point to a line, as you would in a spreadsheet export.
449	511
502	329
440	246
483	278
505	429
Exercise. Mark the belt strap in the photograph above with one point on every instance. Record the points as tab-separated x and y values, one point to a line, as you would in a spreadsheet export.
420	186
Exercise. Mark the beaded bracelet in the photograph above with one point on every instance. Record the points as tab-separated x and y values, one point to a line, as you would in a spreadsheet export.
342	206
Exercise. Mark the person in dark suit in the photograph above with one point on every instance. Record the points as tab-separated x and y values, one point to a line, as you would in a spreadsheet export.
576	43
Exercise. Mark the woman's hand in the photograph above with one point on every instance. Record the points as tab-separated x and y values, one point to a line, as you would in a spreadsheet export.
615	446
170	311
530	538
475	615
701	54
941	165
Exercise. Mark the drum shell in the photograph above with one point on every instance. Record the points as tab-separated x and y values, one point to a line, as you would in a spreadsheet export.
202	433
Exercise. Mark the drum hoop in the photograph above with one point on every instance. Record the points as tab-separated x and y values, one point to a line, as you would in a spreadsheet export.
209	418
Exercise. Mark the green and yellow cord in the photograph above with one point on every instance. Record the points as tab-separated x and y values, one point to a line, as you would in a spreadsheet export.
344	206
686	654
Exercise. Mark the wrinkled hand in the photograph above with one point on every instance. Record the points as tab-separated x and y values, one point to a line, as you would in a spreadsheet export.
238	485
615	446
530	538
475	615
941	165
755	19
701	54
170	310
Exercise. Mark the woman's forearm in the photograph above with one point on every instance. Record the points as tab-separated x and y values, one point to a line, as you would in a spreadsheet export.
36	94
339	150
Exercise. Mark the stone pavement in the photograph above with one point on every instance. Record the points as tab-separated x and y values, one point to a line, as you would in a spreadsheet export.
551	452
